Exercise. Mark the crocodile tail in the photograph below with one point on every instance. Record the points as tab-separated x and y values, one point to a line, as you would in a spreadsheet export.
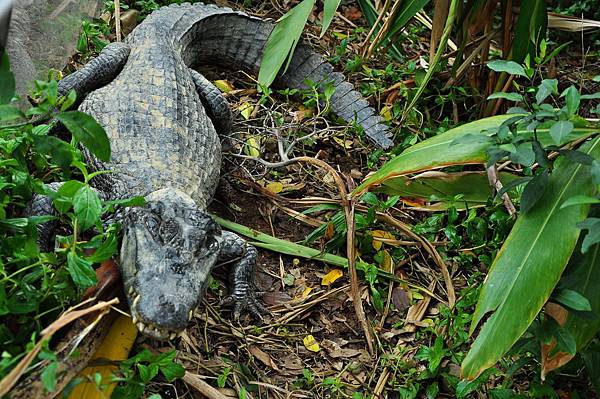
221	36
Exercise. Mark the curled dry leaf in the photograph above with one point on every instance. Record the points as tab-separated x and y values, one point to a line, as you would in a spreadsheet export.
263	357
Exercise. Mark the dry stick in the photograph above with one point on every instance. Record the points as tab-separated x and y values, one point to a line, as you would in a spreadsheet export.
495	182
429	248
384	29
363	46
204	388
69	316
348	205
500	100
118	19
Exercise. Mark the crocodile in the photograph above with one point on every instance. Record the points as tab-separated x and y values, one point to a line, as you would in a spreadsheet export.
163	120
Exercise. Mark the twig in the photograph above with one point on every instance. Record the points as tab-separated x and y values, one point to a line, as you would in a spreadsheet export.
69	316
495	182
118	19
363	46
205	389
348	205
429	248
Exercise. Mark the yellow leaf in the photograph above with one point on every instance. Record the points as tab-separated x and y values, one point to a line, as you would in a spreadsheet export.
223	85
246	110
311	343
330	277
339	35
252	147
380	234
275	187
347	144
386	113
304	293
386	263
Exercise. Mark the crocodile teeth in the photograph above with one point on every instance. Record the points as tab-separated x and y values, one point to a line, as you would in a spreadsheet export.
172	336
130	290
134	318
135	301
191	315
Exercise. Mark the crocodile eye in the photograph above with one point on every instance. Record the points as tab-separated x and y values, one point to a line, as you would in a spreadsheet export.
152	222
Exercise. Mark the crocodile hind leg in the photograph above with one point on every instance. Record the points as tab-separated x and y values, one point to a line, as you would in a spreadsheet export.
214	103
243	292
98	72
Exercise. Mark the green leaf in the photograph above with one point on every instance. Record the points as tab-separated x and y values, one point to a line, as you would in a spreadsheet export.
579	200
529	265
593	235
509	67
60	152
282	42
596	171
572	99
81	270
407	11
436	152
172	371
533	191
594	96
523	154
7	79
10	113
565	342
507	96
546	88
560	130
530	29
48	377
591	359
147	373
63	199
328	13
85	129
573	300
87	207
107	249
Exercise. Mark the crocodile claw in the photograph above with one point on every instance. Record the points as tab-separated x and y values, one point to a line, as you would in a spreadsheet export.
245	302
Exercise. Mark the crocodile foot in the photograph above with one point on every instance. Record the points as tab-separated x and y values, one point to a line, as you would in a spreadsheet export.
245	301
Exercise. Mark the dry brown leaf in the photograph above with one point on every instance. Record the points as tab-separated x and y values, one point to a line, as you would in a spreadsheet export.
263	357
400	298
559	359
352	13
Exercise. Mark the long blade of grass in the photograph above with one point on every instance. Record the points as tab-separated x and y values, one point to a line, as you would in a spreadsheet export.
438	56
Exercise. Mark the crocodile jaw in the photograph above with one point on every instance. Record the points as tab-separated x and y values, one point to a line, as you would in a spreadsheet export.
168	251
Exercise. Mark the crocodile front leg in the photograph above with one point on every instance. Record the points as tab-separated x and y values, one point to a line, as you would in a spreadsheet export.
214	103
98	72
243	293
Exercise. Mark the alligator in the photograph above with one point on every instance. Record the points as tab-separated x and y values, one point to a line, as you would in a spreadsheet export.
163	119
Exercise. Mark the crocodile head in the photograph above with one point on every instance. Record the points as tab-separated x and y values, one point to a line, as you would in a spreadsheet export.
168	251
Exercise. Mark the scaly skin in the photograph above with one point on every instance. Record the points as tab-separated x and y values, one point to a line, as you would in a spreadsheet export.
165	147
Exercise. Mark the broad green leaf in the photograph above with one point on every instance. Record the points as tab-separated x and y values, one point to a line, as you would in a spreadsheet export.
573	299
328	13
546	88
596	172
437	152
594	96
7	79
560	130
596	78
60	152
534	190
523	154
591	359
509	67
172	371
87	207
85	129
572	98
443	187
583	276
64	198
507	96
529	265
580	199
81	270
107	249
282	42
530	29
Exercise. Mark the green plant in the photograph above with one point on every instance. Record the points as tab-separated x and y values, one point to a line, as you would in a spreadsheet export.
557	197
286	35
93	37
135	373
